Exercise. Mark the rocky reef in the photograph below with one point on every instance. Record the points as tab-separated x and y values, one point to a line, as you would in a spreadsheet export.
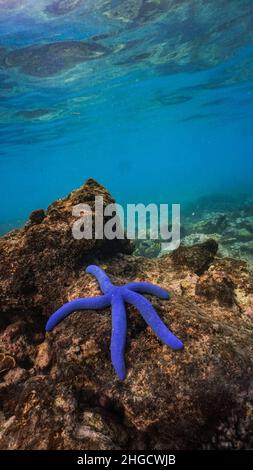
227	220
59	390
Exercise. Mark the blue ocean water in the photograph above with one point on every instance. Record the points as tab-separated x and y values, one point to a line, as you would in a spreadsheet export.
153	98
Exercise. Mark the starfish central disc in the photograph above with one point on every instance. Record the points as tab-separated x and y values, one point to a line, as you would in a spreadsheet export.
117	297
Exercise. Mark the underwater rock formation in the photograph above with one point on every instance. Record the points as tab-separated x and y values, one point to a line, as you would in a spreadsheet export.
148	248
198	258
228	220
59	390
43	257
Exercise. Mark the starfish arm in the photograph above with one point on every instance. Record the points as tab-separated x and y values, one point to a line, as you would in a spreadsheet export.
118	337
152	319
147	288
85	303
102	278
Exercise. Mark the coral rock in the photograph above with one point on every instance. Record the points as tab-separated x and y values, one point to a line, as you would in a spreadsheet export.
39	260
218	287
37	216
198	258
63	392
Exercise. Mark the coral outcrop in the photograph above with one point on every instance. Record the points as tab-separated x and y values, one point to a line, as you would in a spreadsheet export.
226	219
58	390
39	261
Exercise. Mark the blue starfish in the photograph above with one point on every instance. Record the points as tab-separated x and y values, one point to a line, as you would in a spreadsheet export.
116	296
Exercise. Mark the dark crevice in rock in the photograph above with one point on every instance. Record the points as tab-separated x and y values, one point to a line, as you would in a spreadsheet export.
26	363
88	399
113	413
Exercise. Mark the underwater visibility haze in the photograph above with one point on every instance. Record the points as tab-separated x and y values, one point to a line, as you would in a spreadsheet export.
153	98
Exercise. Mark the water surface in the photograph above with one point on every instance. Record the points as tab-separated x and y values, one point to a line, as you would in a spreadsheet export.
153	98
